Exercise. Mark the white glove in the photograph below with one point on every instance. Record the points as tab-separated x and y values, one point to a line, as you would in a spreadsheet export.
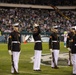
51	50
35	25
9	51
69	49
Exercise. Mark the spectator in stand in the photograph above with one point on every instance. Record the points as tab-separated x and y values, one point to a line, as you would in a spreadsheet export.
26	18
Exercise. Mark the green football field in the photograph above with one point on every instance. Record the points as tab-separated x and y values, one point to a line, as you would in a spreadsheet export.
25	65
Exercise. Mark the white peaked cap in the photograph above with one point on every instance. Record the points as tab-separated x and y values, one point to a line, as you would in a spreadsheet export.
36	25
16	24
74	27
55	26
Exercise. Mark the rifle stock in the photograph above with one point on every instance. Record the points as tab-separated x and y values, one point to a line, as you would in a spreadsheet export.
54	59
57	10
13	64
70	57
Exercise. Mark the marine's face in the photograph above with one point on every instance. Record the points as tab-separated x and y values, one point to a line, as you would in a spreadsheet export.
35	29
16	28
56	30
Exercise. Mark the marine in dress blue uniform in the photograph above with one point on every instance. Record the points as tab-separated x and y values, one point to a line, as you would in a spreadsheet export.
54	46
14	48
69	45
73	51
37	48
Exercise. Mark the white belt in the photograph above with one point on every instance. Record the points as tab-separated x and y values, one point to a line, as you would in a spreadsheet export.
37	41
54	41
75	44
15	42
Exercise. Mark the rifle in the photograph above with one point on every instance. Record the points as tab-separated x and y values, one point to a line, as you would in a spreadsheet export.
70	58
13	63
54	60
57	10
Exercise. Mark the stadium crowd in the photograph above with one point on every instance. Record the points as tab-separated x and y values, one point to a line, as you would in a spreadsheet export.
26	17
42	2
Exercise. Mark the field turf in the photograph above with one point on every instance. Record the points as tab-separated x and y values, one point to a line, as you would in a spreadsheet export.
25	65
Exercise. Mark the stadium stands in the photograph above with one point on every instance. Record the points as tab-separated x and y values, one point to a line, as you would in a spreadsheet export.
26	17
42	2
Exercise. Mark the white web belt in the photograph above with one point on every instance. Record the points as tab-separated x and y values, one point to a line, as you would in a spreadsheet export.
15	42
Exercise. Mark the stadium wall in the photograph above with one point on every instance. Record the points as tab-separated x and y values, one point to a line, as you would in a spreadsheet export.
35	6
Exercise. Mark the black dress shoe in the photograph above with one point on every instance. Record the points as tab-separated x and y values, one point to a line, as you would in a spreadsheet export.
55	67
73	74
37	70
15	73
70	65
52	67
